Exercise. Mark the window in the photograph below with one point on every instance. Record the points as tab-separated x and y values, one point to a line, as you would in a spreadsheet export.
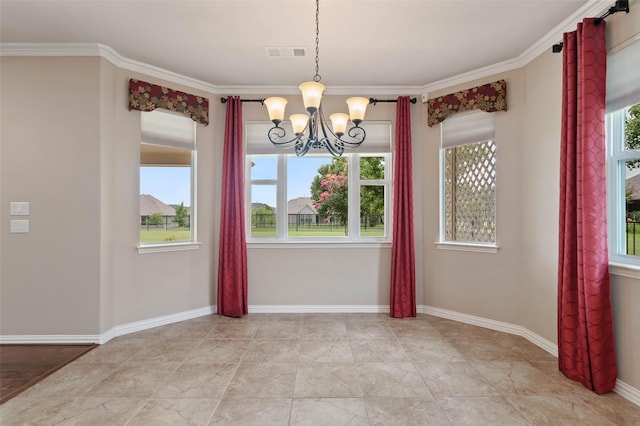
623	137
318	197
623	152
468	179
167	164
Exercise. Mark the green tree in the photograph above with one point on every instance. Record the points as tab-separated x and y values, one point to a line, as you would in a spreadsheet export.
372	197
181	215
264	216
632	127
156	219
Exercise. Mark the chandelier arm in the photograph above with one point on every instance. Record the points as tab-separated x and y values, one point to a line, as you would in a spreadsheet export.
302	146
277	133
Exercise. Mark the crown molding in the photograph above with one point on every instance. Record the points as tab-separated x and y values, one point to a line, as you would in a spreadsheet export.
591	8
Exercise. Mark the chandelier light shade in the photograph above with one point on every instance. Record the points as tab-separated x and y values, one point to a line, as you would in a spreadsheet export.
311	130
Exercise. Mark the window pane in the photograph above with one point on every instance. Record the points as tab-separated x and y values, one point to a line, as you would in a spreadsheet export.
263	210
263	167
165	200
470	192
371	168
317	194
372	211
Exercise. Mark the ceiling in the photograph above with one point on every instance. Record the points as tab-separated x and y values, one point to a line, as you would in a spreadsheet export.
363	43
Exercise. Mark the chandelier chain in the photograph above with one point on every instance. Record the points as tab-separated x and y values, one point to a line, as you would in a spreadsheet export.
317	77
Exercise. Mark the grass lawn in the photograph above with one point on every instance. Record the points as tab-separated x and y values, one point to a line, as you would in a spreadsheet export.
160	235
633	243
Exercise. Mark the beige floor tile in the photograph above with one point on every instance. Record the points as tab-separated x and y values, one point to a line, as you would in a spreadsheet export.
454	379
405	412
324	329
329	412
100	411
217	351
234	330
23	411
391	379
252	412
134	380
326	380
335	350
557	410
319	369
519	377
272	350
481	411
422	349
377	350
279	330
74	379
198	381
165	350
369	330
263	380
175	412
192	329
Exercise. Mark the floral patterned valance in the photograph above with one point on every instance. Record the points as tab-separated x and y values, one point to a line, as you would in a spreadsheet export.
145	96
489	98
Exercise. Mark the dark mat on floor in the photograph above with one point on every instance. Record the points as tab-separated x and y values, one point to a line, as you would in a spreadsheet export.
22	366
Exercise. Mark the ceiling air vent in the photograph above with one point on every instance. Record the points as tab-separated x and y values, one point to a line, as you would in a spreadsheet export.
285	52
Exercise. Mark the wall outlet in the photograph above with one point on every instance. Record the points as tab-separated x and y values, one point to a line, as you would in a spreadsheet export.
19	226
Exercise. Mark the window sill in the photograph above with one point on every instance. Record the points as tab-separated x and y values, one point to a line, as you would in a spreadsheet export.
475	247
160	248
625	270
317	244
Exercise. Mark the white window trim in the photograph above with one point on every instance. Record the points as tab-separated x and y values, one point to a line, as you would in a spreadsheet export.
462	246
193	243
616	174
354	238
464	136
168	247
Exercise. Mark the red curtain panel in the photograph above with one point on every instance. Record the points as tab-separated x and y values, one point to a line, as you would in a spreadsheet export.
232	260
403	275
586	351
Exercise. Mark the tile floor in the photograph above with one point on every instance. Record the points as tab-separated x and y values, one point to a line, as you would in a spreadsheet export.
315	369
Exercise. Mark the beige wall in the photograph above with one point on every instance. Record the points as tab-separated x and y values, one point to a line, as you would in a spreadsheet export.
69	146
50	153
356	275
481	284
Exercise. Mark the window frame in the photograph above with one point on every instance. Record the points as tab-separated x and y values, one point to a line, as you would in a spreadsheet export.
473	128
354	181
617	155
192	243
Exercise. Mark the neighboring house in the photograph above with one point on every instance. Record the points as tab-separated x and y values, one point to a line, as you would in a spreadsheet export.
301	210
150	205
632	186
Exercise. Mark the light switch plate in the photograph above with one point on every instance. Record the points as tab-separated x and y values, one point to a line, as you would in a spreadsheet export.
20	208
19	226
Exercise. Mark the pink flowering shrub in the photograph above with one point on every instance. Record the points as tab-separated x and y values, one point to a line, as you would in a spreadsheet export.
333	200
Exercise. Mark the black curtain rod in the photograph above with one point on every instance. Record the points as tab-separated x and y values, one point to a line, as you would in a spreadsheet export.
619	6
224	100
371	100
375	101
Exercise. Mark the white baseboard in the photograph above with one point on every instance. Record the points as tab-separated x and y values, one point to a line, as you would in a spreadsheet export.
505	327
49	339
109	334
626	391
308	309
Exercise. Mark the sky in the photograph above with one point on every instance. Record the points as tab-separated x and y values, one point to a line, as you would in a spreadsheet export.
171	184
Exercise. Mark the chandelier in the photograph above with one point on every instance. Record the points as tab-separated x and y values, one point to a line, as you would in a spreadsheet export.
311	130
